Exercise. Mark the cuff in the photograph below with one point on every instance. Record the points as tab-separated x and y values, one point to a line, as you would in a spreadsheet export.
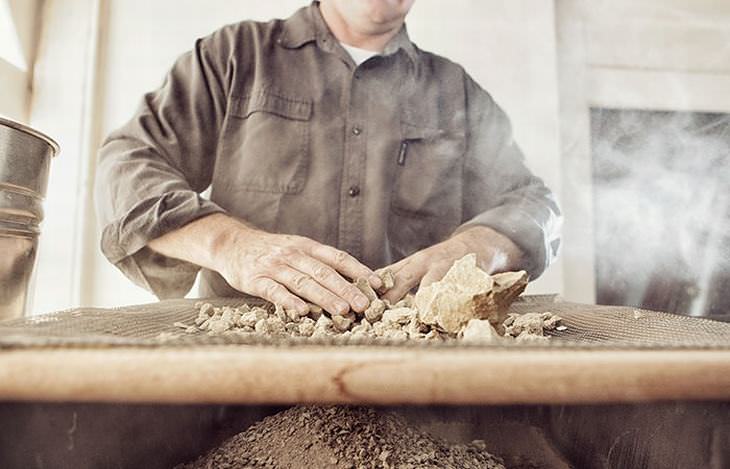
124	242
533	237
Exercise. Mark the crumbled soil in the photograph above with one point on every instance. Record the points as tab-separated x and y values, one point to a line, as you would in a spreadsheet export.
341	437
468	304
531	326
398	322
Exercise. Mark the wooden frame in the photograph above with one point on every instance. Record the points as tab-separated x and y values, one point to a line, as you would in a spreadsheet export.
364	375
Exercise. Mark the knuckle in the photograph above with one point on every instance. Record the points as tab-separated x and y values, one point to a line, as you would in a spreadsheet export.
322	272
287	251
258	285
271	290
269	270
300	241
300	281
260	259
340	257
270	260
407	276
422	257
350	292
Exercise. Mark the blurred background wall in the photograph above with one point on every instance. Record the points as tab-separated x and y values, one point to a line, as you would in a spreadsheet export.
19	29
554	66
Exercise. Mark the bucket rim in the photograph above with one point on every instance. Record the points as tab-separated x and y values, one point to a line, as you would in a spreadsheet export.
18	229
31	131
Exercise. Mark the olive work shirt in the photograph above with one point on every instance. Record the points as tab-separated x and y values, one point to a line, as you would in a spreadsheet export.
379	160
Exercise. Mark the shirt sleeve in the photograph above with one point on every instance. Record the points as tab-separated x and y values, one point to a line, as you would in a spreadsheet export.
151	172
500	192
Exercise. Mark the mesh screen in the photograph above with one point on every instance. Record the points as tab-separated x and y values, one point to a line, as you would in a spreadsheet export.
588	326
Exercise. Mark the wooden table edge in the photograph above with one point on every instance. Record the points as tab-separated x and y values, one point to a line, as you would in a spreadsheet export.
362	375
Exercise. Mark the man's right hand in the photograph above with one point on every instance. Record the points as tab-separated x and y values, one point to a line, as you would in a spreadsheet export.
283	269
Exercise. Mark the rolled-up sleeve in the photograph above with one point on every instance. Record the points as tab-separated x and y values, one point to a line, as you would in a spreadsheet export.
151	172
500	192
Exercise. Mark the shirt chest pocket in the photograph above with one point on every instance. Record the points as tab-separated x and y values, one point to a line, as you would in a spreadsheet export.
266	142
429	172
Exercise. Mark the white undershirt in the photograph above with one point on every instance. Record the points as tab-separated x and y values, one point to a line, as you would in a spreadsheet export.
359	55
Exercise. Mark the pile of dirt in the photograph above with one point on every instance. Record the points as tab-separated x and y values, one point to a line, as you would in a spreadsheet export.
340	437
467	304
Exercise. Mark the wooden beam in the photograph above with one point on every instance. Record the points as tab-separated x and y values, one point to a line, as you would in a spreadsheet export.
364	375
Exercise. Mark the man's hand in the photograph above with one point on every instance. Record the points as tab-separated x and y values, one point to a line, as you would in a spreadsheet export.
283	269
495	253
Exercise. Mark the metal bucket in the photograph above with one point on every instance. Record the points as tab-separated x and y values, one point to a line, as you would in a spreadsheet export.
25	158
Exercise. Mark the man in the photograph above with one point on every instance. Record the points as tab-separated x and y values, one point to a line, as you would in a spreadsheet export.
332	146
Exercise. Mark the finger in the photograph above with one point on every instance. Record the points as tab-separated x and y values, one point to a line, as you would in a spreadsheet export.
274	292
344	263
434	274
393	295
306	287
396	266
330	279
406	278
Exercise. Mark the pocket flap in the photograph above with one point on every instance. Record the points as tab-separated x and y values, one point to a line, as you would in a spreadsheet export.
410	131
274	103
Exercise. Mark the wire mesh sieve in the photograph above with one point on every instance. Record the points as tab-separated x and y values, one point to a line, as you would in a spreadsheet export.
587	326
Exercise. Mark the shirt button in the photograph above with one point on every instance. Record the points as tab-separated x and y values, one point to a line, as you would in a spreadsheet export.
354	191
356	130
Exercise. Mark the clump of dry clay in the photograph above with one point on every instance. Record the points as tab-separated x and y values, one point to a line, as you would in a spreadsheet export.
465	305
388	279
479	330
530	326
375	310
363	285
467	292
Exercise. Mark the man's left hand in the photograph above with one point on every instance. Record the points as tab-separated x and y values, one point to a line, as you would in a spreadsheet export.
495	253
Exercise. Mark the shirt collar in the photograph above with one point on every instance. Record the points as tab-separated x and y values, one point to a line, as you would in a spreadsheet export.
307	25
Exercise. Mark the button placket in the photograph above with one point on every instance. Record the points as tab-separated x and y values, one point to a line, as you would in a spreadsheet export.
351	208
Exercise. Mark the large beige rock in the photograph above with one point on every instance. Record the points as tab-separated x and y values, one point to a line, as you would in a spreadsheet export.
467	292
